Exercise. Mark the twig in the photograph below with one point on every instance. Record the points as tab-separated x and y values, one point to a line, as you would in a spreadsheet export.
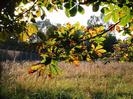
26	11
104	31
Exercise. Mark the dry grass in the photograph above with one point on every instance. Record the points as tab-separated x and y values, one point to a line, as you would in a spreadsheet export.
88	81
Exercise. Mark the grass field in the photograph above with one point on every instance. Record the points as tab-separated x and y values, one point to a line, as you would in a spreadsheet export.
88	81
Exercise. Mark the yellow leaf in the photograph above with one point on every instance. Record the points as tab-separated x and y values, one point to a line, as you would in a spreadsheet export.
126	55
131	28
99	29
36	67
30	30
38	13
99	54
101	51
23	37
72	32
99	47
68	25
93	46
76	62
92	31
88	59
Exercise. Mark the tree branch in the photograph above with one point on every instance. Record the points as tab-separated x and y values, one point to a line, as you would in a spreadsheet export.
26	11
104	31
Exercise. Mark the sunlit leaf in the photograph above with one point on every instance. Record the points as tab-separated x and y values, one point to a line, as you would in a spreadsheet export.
54	69
125	20
35	68
115	16
105	10
76	62
38	13
107	17
111	7
30	30
93	46
118	28
99	47
102	51
67	13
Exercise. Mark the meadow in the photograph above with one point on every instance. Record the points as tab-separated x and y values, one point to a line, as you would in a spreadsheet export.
87	81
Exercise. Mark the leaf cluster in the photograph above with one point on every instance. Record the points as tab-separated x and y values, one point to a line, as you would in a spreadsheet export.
71	43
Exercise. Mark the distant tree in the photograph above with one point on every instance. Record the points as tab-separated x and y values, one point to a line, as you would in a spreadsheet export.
109	43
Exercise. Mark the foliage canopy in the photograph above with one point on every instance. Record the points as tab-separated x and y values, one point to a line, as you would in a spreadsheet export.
12	24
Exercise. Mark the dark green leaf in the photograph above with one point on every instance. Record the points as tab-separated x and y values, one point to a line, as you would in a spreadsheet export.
43	16
95	7
73	11
33	20
24	1
49	7
34	15
81	9
105	10
67	5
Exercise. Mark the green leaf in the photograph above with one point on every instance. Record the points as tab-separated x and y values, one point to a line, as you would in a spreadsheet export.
107	17
99	47
111	7
67	12
127	1
114	0
42	36
99	40
24	1
81	9
43	16
95	7
126	9
115	16
73	11
125	20
101	50
49	7
105	10
3	36
54	69
67	5
33	20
